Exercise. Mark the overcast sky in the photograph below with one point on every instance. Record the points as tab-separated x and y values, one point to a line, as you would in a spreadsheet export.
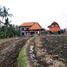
42	11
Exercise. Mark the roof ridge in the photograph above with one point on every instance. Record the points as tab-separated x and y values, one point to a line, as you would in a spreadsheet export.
37	26
32	24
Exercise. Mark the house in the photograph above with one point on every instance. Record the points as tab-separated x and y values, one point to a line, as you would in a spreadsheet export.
54	27
30	28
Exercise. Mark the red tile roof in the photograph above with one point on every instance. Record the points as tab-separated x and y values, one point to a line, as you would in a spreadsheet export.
54	23
54	27
33	25
27	24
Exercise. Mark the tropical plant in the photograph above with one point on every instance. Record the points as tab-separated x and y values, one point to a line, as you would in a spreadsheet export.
7	30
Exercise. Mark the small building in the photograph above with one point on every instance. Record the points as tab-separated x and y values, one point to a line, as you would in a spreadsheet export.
54	28
30	28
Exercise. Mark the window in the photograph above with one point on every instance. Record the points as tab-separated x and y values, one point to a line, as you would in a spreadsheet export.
27	28
52	25
22	28
22	33
56	25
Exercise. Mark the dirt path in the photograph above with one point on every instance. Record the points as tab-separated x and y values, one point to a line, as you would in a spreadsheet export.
25	51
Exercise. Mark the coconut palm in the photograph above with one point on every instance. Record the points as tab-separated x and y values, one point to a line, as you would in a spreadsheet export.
7	30
4	13
0	14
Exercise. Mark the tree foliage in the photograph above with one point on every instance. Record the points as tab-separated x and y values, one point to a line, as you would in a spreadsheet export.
7	30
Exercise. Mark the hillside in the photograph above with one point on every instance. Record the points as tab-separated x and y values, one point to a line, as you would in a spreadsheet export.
49	51
41	51
9	51
56	47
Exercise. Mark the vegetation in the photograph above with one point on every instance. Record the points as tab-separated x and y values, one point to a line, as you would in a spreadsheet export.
7	29
22	59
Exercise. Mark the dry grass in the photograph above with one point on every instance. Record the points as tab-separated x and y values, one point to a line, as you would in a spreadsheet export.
56	45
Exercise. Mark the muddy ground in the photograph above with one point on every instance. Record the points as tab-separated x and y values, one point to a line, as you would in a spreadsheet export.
9	51
48	51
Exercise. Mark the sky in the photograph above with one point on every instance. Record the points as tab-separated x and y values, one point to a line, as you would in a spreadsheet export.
42	11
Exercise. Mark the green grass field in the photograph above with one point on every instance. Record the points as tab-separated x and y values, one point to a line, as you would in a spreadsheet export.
22	59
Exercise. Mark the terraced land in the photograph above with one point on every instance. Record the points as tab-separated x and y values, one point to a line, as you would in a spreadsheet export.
41	51
49	51
56	46
9	51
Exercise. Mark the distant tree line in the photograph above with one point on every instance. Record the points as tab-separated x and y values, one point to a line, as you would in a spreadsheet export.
7	30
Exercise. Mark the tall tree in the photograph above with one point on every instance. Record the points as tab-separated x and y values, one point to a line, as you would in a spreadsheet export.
7	30
4	13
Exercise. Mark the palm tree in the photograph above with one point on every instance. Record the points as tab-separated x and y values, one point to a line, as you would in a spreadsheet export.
1	15
4	14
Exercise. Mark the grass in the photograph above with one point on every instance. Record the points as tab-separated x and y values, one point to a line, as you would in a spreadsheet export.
22	59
